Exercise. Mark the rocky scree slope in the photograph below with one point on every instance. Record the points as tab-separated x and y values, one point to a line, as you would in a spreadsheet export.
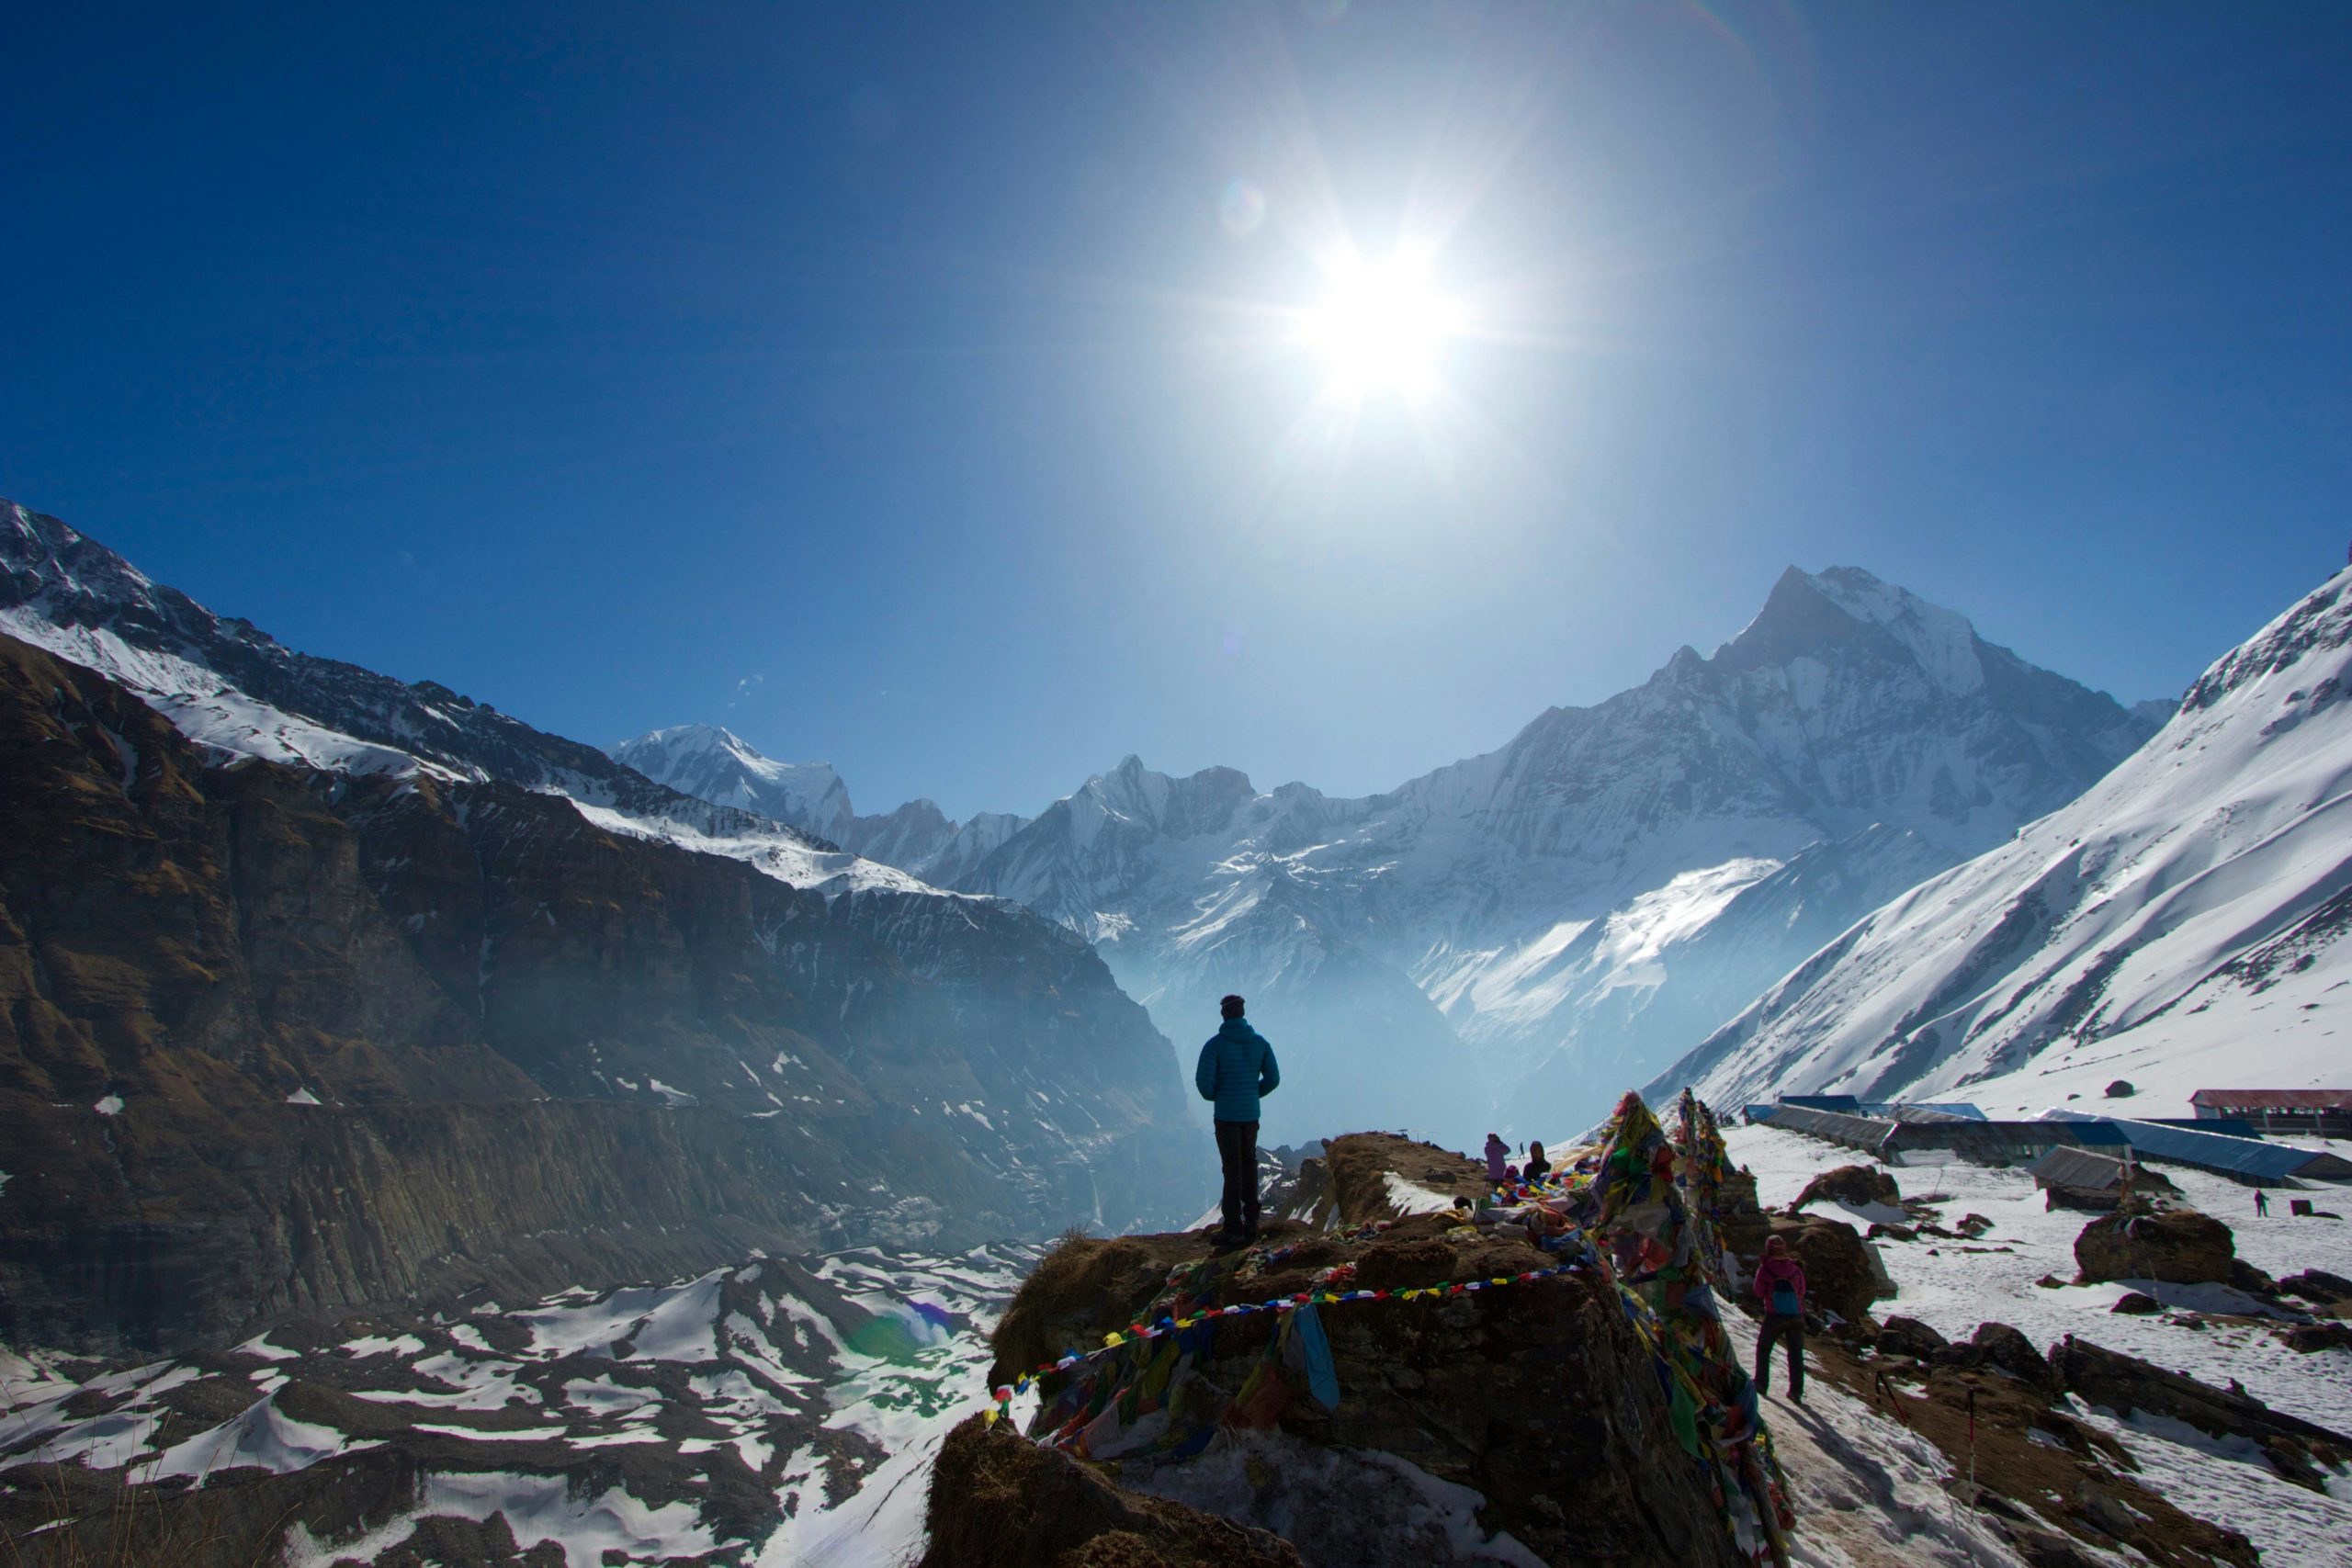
1595	898
2180	925
274	1040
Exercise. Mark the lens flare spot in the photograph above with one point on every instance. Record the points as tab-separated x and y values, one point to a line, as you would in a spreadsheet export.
1241	208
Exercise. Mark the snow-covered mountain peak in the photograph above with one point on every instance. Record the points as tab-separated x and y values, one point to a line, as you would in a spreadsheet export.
2179	925
2321	621
1141	798
1808	613
713	764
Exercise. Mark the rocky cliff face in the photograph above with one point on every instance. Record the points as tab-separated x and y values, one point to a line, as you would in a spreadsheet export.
275	1039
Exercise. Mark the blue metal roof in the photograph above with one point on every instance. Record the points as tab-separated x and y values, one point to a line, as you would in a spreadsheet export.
1924	1110
2249	1159
1843	1104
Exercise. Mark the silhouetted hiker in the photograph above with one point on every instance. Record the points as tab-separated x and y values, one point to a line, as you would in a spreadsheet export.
2261	1202
1780	1285
1497	1152
1237	1068
1538	1164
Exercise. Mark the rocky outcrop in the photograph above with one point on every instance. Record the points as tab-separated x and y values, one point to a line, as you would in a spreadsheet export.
1840	1272
1476	1386
2319	1286
1000	1501
1496	1392
1902	1336
1855	1184
2124	1383
2179	1247
274	1040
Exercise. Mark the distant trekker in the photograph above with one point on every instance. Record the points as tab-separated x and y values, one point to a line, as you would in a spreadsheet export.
1497	1154
1236	1070
1780	1285
1538	1166
2261	1202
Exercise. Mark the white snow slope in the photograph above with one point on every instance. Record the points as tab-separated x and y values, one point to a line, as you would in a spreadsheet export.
2179	926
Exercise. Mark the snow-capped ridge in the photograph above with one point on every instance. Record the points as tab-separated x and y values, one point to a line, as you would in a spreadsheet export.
710	762
2179	925
237	690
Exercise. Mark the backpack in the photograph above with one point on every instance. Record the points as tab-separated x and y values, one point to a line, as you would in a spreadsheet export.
1785	1299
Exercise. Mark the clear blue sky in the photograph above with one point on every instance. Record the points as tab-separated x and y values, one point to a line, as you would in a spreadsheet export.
898	385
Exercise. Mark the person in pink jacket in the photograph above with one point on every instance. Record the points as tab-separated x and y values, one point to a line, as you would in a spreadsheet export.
1780	1285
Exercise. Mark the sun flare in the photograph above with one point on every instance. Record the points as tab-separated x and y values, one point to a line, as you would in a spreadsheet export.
1382	325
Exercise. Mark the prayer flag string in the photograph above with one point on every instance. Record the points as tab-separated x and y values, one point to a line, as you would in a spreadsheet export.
1005	1394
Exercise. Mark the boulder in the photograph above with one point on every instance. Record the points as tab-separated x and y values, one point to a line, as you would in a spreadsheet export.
2244	1276
2317	1285
2179	1246
2120	1089
1908	1337
1973	1225
2310	1337
2104	1513
2133	1304
2124	1383
1855	1184
1840	1272
1998	1344
1000	1501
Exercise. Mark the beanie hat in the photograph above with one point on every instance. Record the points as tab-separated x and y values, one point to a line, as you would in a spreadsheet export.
1229	1007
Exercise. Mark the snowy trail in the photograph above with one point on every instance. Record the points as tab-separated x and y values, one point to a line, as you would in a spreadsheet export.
1953	1290
1869	1493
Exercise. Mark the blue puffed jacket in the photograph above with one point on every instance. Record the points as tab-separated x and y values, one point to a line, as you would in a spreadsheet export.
1236	1067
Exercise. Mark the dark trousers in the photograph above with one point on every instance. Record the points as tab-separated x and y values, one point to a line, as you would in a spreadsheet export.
1236	1150
1790	1330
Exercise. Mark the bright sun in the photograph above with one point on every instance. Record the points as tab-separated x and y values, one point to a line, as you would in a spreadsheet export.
1381	327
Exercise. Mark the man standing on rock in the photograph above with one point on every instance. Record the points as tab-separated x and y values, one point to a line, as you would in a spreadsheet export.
1237	1068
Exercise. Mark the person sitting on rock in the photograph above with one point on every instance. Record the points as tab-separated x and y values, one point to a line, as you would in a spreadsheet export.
1537	1166
1496	1153
1236	1070
1780	1285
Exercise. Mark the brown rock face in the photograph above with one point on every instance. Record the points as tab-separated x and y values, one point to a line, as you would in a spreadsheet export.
543	1053
2179	1246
